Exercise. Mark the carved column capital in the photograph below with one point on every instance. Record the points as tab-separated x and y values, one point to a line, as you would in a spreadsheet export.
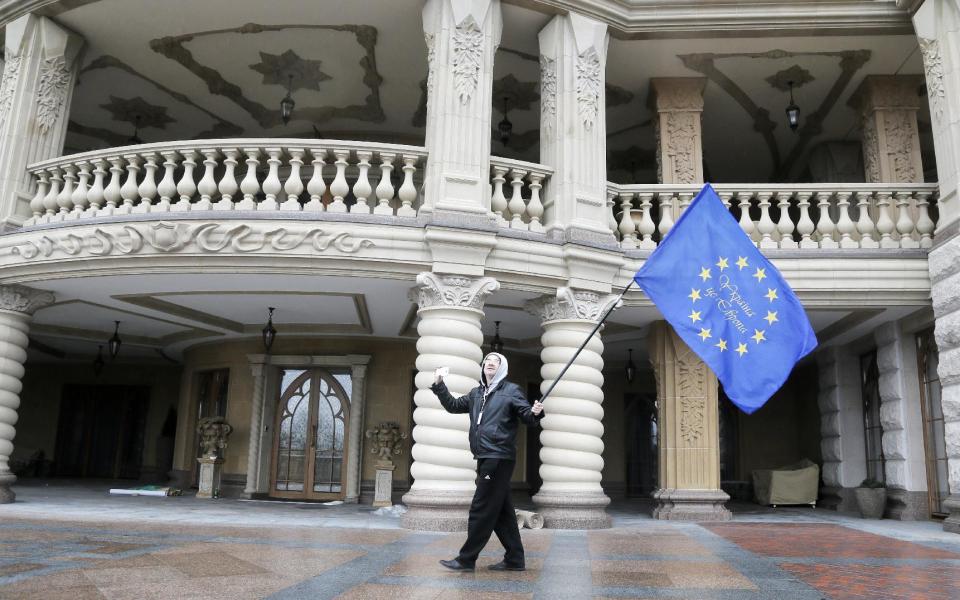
669	94
452	291
679	104
571	304
888	106
22	299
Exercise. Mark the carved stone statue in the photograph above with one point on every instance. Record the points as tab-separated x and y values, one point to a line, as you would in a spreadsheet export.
213	435
387	441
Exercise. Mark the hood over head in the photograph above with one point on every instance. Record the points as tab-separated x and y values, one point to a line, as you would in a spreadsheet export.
499	376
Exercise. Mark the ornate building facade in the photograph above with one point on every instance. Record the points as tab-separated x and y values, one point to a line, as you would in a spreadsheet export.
288	218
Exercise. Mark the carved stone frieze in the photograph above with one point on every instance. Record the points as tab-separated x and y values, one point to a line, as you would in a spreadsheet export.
933	68
900	129
433	290
589	82
22	299
691	378
548	94
175	237
467	58
431	41
682	130
871	150
570	304
8	85
51	91
387	442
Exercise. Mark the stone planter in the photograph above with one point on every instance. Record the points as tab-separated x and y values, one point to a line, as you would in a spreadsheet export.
871	501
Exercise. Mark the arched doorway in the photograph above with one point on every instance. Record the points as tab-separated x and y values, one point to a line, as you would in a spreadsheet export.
311	428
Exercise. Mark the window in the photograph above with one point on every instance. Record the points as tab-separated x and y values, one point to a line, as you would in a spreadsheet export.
872	430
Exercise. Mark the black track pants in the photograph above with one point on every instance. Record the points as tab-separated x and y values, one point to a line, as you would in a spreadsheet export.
492	511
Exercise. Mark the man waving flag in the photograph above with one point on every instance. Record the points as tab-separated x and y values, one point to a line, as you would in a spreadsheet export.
727	302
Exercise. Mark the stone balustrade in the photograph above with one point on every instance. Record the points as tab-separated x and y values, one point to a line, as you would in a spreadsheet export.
236	174
516	198
830	215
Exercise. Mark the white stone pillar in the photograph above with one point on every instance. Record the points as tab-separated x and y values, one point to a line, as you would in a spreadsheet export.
443	468
358	378
462	37
937	23
679	105
17	305
258	365
573	126
35	92
841	427
888	107
902	422
572	455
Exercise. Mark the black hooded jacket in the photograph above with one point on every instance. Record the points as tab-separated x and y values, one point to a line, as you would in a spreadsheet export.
496	436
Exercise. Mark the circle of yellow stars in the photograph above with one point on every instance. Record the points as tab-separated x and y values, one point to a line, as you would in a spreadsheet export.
695	316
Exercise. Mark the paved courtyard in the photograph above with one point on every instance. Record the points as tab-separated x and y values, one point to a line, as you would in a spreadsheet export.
78	543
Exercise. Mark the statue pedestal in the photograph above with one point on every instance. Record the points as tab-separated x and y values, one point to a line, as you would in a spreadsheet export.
210	469
383	490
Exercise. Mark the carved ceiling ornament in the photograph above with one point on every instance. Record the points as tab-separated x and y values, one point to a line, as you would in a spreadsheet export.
933	68
589	82
138	111
8	85
467	58
548	94
289	69
461	291
796	75
175	237
51	91
22	299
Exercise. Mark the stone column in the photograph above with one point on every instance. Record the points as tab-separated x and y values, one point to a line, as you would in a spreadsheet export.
902	422
937	24
39	73
17	305
254	446
443	468
888	107
841	428
572	455
462	37
358	378
679	104
573	59
689	432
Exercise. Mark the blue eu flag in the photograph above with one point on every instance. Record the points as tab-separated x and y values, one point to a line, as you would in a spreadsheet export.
727	302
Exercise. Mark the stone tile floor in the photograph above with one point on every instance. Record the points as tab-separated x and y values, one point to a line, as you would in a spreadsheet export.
76	542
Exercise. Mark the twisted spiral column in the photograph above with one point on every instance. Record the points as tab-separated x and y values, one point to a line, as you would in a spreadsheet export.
572	455
443	468
17	305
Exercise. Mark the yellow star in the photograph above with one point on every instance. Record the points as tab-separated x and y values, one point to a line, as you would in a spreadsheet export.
695	316
722	263
694	295
771	317
758	336
704	273
741	349
704	334
760	274
771	294
722	344
742	262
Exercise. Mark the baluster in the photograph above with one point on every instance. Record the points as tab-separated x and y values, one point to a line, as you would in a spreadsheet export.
627	226
611	219
316	186
516	205
50	205
186	187
905	225
148	187
208	183
339	188
845	224
784	223
727	199
97	193
167	189
111	193
293	187
362	189
385	186
408	192
766	226
805	226
646	225
271	185
864	223
825	226
685	199
228	183
249	185
885	224
129	189
746	221
498	202
535	206
925	224
666	213
36	204
65	197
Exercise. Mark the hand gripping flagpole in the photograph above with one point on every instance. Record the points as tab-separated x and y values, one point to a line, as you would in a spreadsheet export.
612	308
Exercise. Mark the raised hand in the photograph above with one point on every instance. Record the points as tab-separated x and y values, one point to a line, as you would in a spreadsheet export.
537	407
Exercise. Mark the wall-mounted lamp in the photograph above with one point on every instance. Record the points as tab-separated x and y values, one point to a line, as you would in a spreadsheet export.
269	331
